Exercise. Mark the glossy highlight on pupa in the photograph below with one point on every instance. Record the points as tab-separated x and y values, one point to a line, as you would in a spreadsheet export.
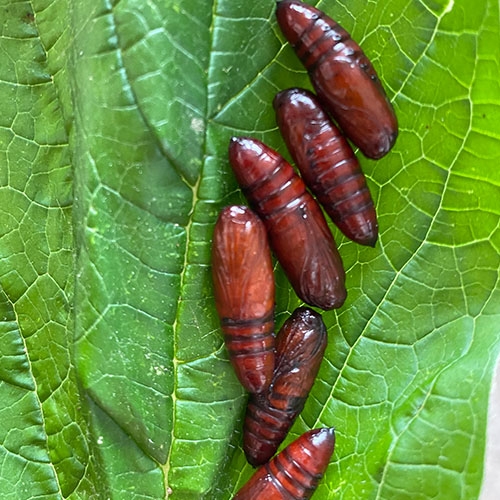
342	76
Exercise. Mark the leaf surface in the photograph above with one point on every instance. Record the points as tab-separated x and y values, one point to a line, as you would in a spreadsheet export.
115	121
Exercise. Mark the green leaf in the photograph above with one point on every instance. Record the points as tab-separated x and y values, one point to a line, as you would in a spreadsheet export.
115	121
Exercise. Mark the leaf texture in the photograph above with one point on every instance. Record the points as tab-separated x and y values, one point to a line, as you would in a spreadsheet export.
115	122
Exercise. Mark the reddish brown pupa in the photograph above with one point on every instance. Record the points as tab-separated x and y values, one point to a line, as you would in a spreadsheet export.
294	473
300	346
244	294
327	164
342	75
297	230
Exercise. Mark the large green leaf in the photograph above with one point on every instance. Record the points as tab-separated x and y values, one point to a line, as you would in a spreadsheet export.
114	125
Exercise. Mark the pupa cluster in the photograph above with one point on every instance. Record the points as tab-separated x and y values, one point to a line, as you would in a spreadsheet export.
285	218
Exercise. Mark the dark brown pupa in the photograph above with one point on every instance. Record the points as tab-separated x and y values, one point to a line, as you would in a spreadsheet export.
342	75
297	229
327	164
244	294
300	346
294	473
